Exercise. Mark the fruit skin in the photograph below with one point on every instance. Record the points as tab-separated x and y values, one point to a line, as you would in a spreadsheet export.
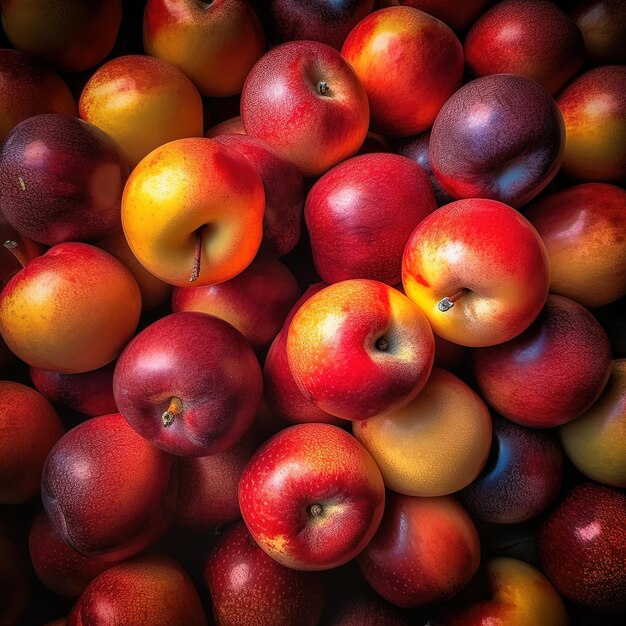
28	87
214	43
401	56
507	591
299	469
595	442
594	109
141	102
70	34
190	185
359	348
312	130
522	476
52	317
249	587
207	365
62	180
108	492
230	126
603	25
484	246
425	550
484	145
456	15
436	444
531	38
351	237
552	372
151	589
367	609
582	547
30	427
582	228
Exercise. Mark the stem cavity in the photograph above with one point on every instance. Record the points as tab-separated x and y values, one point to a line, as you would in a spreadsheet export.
315	510
445	304
322	88
175	408
197	256
382	344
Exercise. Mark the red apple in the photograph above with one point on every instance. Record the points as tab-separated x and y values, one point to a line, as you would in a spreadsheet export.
456	15
325	117
312	497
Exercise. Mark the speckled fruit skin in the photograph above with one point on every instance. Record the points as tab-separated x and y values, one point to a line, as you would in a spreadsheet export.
207	491
484	246
360	214
456	14
404	56
204	362
30	427
249	587
190	185
59	567
71	310
485	145
141	102
108	492
582	547
215	43
284	193
366	610
436	444
583	230
328	22
61	179
594	110
72	35
532	38
552	372
425	550
507	591
303	467
28	87
522	476
151	589
89	393
281	103
333	349
595	442
255	302
603	25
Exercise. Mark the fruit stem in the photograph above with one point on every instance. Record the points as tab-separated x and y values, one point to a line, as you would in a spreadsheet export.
445	304
315	510
14	248
175	408
197	256
382	344
322	88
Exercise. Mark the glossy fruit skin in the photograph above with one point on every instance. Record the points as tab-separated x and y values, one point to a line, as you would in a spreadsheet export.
484	145
214	43
594	442
302	466
561	362
603	25
141	102
204	362
409	563
46	334
484	246
351	237
151	589
160	215
249	587
368	608
28	87
436	444
454	14
62	180
582	547
30	427
522	476
333	355
581	228
527	37
400	55
594	109
108	492
313	130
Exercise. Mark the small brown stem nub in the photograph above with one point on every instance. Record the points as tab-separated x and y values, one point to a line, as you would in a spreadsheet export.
14	248
197	256
445	304
175	408
381	344
322	87
315	510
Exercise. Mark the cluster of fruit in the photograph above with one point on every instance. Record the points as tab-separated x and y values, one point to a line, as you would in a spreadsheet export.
311	312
